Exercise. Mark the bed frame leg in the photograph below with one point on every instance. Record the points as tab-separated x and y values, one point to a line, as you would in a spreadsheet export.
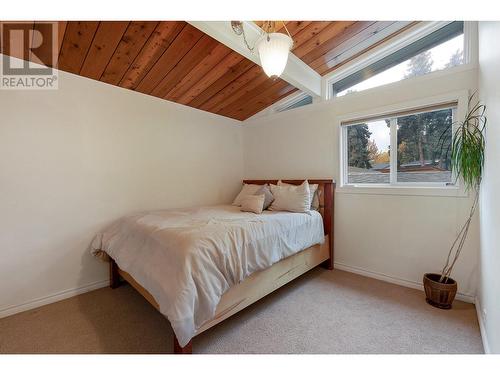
114	276
188	349
327	264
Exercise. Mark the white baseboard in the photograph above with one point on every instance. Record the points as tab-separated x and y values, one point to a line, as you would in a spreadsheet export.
396	280
14	309
482	327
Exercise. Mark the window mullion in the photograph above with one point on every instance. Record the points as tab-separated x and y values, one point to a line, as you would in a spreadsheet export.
393	150
344	156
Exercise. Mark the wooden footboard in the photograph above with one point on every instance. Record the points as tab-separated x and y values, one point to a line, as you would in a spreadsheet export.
260	283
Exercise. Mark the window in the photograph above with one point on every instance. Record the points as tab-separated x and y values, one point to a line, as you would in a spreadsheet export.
443	48
421	140
368	146
298	101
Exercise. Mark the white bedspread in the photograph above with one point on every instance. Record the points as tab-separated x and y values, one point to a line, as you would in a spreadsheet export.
187	259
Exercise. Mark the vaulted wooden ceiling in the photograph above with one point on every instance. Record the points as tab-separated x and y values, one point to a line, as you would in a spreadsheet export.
175	61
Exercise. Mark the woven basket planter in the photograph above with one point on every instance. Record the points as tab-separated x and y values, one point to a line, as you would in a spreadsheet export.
438	294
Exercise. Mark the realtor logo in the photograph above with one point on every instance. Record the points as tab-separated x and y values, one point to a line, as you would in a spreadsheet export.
29	51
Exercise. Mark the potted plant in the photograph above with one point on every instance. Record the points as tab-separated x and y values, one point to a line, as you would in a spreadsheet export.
467	161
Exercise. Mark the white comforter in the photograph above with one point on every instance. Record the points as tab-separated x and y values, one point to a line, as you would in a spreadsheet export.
187	259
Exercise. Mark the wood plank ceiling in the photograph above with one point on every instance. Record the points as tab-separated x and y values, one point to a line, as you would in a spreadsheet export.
175	61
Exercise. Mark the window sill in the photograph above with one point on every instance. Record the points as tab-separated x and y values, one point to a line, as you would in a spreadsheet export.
429	191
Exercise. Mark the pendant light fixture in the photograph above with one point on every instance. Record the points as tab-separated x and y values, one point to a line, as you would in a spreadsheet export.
273	47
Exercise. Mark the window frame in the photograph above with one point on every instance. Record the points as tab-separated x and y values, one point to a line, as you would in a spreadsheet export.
395	44
403	54
394	187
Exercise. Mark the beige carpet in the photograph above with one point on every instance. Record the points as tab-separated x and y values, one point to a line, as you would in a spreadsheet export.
321	312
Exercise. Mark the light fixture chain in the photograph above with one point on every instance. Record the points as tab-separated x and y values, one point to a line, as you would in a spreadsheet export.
245	40
286	29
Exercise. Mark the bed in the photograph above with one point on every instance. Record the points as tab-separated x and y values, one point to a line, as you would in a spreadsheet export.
199	266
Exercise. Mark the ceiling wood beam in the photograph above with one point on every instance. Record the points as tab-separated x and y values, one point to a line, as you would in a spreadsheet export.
297	73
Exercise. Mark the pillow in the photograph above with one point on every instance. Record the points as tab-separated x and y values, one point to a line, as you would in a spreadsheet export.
291	198
268	196
247	189
313	194
315	200
253	203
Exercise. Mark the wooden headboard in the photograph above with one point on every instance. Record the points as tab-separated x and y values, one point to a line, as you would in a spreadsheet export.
326	194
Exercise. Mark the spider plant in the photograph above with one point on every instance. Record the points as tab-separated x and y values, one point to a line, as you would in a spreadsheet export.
467	160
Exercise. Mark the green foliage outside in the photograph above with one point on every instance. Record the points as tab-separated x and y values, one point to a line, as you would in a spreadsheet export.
421	136
357	143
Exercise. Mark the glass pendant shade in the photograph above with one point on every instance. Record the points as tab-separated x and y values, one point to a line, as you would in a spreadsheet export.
273	53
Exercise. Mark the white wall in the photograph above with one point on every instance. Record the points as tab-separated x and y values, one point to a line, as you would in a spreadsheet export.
74	159
392	237
489	281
